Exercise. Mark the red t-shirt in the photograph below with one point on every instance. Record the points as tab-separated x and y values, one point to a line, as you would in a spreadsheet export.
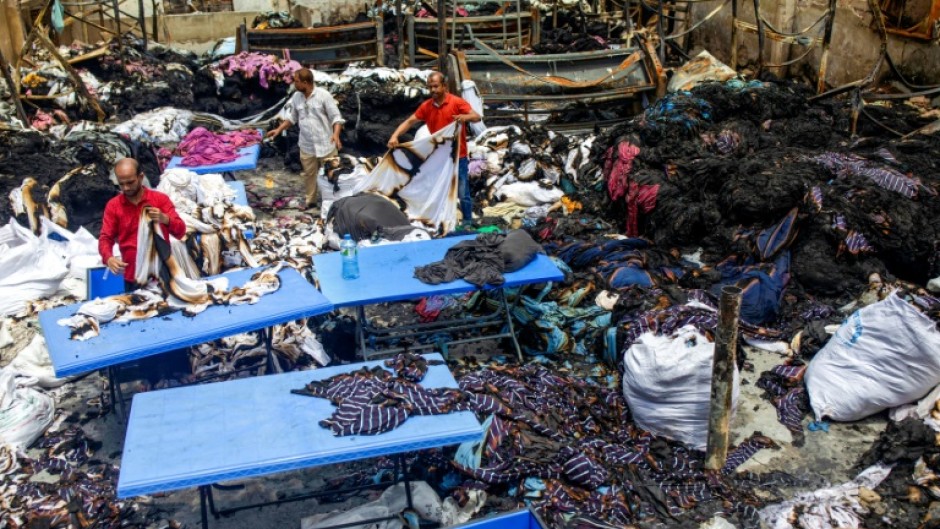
121	218
438	117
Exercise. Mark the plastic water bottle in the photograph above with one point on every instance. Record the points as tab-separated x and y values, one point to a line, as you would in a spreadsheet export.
350	253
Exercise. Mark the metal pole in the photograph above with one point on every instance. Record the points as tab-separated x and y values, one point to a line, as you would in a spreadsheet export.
14	90
142	21
760	36
442	36
726	343
117	18
401	36
734	34
827	39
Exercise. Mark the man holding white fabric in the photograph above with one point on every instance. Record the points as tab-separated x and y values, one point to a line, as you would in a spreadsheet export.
438	112
315	111
122	217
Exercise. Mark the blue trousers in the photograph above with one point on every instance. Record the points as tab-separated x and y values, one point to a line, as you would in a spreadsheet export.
463	189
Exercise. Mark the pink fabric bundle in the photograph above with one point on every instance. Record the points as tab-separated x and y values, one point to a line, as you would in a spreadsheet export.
640	198
266	67
617	167
201	147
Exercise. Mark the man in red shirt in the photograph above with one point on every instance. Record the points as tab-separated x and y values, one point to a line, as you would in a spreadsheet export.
441	110
122	216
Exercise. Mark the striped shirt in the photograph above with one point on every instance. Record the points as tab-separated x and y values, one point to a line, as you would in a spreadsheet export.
316	115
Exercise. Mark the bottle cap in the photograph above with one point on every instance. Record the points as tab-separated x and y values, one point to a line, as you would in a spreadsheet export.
347	236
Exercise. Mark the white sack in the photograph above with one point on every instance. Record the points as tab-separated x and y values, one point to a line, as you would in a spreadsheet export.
33	361
884	355
30	268
430	195
393	501
345	185
667	383
528	194
25	413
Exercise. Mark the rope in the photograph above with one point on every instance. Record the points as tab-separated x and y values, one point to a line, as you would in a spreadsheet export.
809	48
699	23
798	33
554	79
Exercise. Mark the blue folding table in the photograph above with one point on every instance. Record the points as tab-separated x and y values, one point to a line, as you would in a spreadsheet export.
118	343
197	436
386	273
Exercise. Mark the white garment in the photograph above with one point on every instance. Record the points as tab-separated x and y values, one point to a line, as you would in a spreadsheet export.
316	115
423	173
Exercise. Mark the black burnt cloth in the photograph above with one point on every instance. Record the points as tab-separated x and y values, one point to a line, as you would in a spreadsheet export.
482	261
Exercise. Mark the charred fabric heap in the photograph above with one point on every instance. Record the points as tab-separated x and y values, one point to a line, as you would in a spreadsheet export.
128	80
80	164
714	167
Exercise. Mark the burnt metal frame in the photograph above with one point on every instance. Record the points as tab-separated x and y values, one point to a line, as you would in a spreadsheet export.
207	501
763	32
367	332
117	394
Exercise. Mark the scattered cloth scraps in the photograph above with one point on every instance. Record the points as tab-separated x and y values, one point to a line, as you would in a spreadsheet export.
202	147
374	401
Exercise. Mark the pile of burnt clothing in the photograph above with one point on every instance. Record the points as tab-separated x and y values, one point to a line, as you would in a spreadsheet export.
275	20
143	79
523	173
703	168
68	180
86	488
569	448
482	261
374	101
242	85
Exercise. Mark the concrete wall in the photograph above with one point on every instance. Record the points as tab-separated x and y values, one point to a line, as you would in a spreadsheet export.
194	27
854	49
320	11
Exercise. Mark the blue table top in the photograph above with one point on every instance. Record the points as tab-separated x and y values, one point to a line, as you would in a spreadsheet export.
123	342
241	196
199	435
247	159
386	273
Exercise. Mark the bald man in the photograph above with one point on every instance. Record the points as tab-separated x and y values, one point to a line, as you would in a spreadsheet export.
122	216
438	112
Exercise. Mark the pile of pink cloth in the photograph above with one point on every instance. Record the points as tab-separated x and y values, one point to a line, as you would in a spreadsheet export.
640	198
266	67
201	147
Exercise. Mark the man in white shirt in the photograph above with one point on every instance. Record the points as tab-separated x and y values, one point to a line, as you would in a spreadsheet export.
315	111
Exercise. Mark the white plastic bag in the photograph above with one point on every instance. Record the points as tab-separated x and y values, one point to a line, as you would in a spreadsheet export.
393	501
33	361
667	383
30	268
25	413
344	187
884	355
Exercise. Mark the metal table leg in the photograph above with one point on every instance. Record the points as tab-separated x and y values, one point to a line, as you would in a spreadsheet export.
512	330
204	492
268	335
360	329
118	394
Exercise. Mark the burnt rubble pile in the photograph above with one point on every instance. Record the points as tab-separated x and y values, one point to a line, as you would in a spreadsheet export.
81	166
727	160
